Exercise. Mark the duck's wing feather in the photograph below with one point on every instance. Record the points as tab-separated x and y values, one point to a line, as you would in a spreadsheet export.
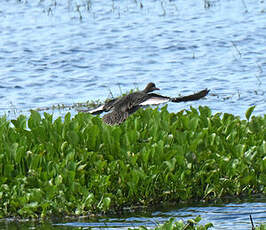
128	102
192	97
103	108
133	101
154	99
97	110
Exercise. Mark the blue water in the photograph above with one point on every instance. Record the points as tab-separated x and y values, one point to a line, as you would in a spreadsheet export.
75	51
54	54
230	216
227	216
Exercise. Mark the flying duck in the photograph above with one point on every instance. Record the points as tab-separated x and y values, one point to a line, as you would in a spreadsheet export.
122	107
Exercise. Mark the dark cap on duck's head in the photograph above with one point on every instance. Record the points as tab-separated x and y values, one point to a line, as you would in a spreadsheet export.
150	87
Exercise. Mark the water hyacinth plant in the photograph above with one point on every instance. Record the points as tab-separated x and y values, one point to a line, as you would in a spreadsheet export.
172	224
191	224
79	165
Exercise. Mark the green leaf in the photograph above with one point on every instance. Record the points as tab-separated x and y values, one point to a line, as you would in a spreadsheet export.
249	112
35	116
73	137
193	124
13	150
106	203
212	138
63	146
20	123
171	164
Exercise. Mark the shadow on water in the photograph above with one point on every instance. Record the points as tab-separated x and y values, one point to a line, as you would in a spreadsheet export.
226	215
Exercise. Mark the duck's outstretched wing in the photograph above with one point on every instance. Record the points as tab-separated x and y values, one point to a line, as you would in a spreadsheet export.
156	99
192	97
102	108
95	111
144	100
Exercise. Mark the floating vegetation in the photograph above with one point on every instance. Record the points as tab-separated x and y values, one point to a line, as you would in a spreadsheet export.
81	9
85	9
77	106
191	224
180	225
78	165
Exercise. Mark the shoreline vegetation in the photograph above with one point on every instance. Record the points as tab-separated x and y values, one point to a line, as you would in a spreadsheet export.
79	166
171	224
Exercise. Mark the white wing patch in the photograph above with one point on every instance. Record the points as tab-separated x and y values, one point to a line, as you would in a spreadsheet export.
155	101
96	109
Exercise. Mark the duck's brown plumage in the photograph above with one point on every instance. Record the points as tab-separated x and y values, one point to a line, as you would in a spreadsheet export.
126	105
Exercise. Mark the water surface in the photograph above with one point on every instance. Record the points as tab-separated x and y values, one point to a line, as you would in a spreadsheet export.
224	216
73	51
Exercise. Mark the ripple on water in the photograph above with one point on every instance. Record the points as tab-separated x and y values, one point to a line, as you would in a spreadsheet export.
183	45
229	216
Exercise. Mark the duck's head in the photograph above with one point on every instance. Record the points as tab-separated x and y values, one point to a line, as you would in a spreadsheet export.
150	87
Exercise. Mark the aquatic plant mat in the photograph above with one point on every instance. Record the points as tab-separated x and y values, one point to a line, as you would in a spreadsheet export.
79	165
191	224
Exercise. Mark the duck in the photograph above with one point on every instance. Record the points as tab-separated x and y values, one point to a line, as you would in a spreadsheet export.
122	107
